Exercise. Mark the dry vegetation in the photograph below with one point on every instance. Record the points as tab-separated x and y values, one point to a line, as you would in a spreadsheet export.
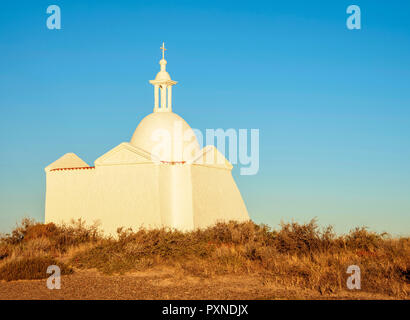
297	255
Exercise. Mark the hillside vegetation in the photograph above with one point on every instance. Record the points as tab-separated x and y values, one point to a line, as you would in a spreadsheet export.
296	255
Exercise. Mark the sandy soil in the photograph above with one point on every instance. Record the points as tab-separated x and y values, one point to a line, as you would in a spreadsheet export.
163	284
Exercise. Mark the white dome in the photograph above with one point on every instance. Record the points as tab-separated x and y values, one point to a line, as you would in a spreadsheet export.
166	136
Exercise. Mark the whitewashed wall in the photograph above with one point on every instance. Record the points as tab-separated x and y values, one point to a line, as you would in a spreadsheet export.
126	189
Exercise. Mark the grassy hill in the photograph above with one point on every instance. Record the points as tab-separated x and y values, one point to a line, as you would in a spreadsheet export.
295	256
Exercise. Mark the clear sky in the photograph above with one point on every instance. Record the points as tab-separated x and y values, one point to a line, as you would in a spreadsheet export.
332	104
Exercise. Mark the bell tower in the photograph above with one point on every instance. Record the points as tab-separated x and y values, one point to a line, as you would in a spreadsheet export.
163	83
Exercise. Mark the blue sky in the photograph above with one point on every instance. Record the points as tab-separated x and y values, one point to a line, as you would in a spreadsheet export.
332	104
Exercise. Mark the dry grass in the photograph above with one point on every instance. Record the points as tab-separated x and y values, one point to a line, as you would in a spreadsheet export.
30	268
296	256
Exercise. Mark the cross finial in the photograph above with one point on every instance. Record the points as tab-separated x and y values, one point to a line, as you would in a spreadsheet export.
163	50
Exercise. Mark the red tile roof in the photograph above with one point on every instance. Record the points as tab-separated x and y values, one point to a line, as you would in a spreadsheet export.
78	168
173	162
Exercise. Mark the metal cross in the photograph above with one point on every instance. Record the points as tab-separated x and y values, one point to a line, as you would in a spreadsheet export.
163	50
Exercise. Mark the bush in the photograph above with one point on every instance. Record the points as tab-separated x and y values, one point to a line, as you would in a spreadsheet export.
5	251
30	268
59	238
360	238
295	255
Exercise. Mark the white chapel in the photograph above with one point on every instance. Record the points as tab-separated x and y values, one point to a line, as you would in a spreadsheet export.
160	178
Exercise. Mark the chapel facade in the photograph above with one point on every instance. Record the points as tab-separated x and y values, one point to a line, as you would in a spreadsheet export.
160	178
